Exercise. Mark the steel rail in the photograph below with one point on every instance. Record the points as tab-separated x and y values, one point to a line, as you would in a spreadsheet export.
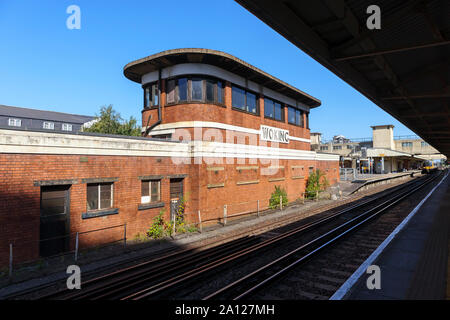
346	228
112	279
157	288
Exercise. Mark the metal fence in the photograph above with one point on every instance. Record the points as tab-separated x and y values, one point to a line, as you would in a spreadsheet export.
72	242
198	219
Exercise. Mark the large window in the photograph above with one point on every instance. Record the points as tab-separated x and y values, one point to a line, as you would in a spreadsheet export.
295	116
195	89
99	196
151	95
244	100
150	191
273	110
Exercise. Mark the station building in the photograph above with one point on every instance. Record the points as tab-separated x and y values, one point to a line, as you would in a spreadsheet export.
217	132
382	153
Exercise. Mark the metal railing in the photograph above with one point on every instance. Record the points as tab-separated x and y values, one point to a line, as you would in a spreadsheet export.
72	246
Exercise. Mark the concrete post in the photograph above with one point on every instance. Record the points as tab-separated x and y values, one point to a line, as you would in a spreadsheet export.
257	207
200	222
281	202
174	222
382	165
224	215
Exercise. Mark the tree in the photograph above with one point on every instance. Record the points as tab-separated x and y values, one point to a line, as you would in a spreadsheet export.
110	122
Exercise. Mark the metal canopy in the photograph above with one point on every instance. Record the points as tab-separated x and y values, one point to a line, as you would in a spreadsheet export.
136	69
404	67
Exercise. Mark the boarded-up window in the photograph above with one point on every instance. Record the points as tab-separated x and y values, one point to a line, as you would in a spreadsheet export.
176	188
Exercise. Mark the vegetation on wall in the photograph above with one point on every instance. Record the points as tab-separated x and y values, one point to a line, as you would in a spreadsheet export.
317	181
274	201
110	122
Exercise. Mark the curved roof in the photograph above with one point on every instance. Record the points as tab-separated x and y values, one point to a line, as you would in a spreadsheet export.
136	69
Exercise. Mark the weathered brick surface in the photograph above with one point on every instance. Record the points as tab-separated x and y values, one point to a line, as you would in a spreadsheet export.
20	198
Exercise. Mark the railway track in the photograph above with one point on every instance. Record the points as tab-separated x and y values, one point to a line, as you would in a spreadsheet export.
324	265
178	274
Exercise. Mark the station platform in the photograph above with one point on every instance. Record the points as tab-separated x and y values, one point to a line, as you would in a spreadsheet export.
364	181
414	261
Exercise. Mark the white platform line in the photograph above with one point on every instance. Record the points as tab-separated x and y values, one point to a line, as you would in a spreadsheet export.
344	289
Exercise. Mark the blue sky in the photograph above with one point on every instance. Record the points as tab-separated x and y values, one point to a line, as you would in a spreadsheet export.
46	66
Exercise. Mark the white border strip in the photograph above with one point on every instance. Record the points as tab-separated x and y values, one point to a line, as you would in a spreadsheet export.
345	288
215	125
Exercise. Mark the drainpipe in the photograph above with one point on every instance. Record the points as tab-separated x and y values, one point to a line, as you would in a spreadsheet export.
148	129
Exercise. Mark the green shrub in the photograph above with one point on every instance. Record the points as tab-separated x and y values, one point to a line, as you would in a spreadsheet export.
158	228
317	181
274	201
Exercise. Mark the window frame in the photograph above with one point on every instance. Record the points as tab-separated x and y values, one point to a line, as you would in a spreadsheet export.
98	184
12	122
283	105
246	91
51	124
189	100
155	92
150	195
407	144
67	125
295	113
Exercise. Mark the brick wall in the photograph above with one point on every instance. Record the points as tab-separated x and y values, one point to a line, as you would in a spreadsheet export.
208	188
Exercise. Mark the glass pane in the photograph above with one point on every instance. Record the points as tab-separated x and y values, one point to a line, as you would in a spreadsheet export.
219	92
92	196
182	89
209	91
251	102
171	91
155	94
155	190
307	120
196	90
278	111
291	115
147	96
105	196
238	97
145	188
268	108
299	118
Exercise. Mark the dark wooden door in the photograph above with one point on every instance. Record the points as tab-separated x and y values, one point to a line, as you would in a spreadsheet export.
176	194
55	220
